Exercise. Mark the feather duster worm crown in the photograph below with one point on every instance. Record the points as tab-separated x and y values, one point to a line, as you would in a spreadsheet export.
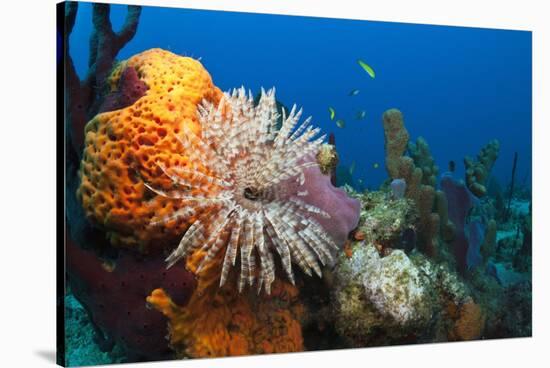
252	211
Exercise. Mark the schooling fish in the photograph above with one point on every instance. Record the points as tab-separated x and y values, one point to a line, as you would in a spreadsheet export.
366	67
340	123
361	115
375	165
354	92
332	113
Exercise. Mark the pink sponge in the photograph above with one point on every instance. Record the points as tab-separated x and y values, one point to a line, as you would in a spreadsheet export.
343	210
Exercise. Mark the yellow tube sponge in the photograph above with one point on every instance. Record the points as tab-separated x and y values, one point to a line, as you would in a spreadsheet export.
396	139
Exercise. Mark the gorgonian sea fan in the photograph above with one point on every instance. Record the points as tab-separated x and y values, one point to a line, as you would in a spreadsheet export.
253	210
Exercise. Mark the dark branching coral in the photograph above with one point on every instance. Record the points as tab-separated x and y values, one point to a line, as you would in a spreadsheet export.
85	96
512	181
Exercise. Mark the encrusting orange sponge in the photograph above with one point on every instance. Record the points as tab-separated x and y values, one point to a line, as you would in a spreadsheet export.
469	324
122	149
220	322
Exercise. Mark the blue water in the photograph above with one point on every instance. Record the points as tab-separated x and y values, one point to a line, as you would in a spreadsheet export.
457	87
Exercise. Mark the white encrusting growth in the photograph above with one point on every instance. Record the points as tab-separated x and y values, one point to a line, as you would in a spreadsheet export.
250	212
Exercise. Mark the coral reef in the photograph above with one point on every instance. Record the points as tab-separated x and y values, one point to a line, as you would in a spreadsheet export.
419	151
403	167
383	221
395	287
396	139
237	193
385	292
395	299
384	295
150	160
506	306
478	171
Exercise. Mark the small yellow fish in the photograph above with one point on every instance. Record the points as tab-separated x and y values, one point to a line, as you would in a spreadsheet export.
352	168
340	123
332	113
354	92
375	165
366	67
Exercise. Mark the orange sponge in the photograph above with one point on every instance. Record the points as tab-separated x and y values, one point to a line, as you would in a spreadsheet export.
470	323
221	322
122	146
